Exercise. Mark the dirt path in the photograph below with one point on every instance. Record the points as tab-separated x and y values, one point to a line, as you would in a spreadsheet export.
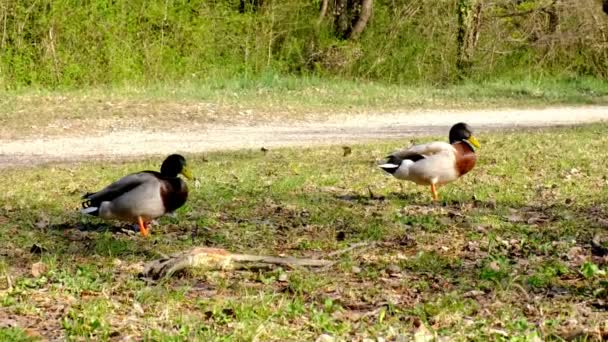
337	129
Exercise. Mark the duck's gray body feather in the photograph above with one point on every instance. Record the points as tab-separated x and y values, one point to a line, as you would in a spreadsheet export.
133	196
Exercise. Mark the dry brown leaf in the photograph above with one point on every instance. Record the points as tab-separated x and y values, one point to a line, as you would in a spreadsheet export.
494	266
325	338
577	256
42	223
39	269
473	293
422	334
515	218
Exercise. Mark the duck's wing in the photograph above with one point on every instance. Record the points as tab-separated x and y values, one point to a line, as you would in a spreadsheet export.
424	149
417	152
118	188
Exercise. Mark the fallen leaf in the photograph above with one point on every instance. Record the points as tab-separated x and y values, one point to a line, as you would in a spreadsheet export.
422	333
577	256
325	338
393	269
8	323
499	332
42	223
39	269
473	293
137	308
515	218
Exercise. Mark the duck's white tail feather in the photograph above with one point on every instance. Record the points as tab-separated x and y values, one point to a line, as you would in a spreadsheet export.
90	211
388	166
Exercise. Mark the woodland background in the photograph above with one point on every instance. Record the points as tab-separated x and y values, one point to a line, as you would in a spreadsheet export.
70	43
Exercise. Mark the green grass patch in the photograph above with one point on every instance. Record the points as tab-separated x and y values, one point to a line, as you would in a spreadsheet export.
506	253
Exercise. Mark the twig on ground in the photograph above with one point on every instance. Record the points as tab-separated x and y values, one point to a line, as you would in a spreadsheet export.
9	282
361	245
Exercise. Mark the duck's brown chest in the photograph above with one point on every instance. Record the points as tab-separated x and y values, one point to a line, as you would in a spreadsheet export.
465	158
174	193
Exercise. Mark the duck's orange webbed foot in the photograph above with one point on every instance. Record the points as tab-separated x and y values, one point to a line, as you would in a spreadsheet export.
143	229
434	191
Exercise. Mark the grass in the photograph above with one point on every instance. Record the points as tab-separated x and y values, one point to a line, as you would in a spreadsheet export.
264	99
505	255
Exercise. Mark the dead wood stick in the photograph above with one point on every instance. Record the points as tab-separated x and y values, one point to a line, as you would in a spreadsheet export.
216	258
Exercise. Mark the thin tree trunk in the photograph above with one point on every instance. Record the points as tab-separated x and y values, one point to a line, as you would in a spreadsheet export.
475	28
463	9
323	13
553	17
469	29
364	16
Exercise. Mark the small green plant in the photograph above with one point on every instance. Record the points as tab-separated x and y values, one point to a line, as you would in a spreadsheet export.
16	335
591	270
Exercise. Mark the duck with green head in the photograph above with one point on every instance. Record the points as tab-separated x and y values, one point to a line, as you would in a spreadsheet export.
436	163
143	196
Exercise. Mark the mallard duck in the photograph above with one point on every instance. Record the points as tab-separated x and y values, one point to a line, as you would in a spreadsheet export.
143	196
436	163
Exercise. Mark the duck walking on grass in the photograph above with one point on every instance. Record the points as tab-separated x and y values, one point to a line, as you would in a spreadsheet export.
143	196
436	163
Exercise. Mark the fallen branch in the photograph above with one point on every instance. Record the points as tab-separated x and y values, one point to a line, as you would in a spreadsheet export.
217	258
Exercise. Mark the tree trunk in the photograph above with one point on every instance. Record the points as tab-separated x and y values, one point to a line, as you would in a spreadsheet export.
364	15
605	6
469	29
553	17
351	17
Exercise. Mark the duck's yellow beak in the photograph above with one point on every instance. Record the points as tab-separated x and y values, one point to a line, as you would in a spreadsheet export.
187	173
474	141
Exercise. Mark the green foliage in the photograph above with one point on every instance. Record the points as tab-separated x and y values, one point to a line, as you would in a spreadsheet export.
67	43
15	335
590	270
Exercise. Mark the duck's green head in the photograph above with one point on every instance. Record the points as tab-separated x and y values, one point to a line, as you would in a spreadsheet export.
463	132
174	165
